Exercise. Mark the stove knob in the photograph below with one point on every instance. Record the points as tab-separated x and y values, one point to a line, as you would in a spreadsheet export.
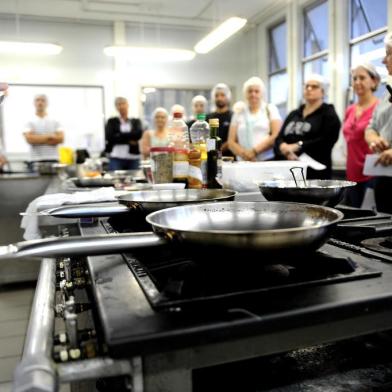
61	356
74	353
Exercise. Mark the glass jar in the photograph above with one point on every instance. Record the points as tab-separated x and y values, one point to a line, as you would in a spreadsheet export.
162	164
92	168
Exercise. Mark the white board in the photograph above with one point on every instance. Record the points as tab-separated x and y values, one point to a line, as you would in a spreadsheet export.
79	109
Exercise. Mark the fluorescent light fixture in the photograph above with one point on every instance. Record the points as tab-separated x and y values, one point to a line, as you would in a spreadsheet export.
221	33
145	54
28	48
148	90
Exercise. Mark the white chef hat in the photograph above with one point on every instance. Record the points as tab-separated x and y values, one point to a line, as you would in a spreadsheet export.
253	81
320	79
221	87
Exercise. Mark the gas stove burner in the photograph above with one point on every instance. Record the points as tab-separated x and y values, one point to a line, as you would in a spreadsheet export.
381	244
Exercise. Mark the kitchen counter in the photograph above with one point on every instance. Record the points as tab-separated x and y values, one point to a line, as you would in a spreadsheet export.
16	192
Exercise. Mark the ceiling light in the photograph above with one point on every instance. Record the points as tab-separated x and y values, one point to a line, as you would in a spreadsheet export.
144	54
148	90
221	33
27	48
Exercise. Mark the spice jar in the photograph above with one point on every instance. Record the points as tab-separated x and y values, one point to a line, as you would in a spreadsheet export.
162	164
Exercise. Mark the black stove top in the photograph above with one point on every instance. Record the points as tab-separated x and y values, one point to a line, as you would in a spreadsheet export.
174	281
168	296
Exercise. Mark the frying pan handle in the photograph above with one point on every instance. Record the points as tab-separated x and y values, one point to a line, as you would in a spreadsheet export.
86	210
80	246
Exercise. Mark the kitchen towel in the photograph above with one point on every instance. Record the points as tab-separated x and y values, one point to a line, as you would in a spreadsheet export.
30	219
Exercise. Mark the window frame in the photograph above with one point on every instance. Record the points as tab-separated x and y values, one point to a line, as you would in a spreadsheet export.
322	53
271	48
358	40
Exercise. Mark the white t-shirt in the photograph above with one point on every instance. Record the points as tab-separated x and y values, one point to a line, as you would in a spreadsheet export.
42	125
252	128
121	151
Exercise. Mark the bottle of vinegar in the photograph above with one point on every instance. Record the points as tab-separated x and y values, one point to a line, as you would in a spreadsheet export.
214	155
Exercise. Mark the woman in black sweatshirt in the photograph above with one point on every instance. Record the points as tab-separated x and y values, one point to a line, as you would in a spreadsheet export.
313	129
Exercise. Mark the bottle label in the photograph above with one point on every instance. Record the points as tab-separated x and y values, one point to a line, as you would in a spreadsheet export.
195	172
211	144
180	169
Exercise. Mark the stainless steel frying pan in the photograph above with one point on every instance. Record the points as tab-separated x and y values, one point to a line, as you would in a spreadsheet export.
322	192
145	201
257	226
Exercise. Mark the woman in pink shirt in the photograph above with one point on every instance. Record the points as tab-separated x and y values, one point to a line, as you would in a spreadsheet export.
365	82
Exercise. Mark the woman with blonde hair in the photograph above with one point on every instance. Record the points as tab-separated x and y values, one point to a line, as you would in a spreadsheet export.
253	129
158	137
365	80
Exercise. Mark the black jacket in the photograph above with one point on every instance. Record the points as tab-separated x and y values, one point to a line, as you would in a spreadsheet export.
319	132
113	134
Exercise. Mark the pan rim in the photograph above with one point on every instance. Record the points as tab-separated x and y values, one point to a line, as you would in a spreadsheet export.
230	194
339	217
267	184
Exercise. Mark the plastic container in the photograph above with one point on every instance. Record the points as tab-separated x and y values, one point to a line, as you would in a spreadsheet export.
243	176
179	141
199	132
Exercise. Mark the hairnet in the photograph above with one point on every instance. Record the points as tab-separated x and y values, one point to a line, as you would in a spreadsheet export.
221	87
253	81
199	98
388	40
159	110
370	69
319	79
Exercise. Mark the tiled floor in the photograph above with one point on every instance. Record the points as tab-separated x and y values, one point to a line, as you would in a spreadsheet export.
15	304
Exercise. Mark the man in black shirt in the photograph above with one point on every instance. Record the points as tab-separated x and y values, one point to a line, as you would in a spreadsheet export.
313	129
221	96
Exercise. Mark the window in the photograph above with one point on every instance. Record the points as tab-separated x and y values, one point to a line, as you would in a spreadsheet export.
315	44
277	70
368	25
167	97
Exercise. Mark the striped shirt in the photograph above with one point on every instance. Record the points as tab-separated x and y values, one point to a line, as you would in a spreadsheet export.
43	125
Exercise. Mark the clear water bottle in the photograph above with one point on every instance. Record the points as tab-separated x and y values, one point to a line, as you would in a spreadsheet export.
179	141
200	131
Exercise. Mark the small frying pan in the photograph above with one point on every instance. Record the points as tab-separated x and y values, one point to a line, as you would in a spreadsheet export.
264	227
143	201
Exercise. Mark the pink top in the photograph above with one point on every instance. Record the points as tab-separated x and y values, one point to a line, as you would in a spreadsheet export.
357	148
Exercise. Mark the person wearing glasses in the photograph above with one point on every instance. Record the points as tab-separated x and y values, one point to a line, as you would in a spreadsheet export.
365	80
3	93
313	129
378	135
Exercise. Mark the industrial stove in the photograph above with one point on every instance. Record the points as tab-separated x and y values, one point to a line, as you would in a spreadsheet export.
163	319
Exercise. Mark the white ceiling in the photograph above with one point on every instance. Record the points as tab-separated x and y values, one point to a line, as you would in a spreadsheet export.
188	13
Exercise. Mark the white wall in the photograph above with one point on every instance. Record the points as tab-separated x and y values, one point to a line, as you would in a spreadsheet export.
83	62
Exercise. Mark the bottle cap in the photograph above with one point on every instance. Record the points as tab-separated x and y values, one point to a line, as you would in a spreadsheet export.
214	122
201	116
177	115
